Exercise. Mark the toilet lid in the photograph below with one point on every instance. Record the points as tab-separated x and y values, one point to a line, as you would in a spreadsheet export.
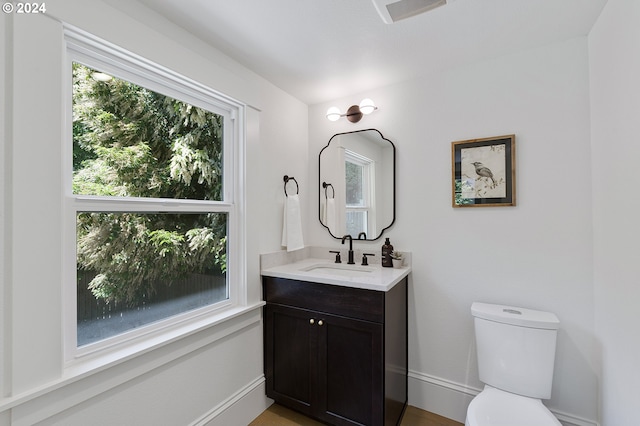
493	407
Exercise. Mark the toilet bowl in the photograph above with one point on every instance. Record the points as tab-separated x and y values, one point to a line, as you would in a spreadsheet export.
493	407
516	354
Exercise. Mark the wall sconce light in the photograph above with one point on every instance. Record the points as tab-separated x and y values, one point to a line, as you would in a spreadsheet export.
100	76
354	113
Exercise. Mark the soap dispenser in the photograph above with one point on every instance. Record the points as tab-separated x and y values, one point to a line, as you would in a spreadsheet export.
387	249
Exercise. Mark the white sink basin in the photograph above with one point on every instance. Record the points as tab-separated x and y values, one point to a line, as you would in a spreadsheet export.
339	269
324	271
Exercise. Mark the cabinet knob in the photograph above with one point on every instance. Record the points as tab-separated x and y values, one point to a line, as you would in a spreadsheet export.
312	321
320	322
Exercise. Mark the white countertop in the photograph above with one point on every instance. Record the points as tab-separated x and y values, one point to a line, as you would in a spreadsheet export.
372	277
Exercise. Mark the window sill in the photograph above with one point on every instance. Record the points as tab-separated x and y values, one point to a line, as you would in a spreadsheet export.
158	349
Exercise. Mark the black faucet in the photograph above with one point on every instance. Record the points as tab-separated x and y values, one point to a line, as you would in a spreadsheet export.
350	262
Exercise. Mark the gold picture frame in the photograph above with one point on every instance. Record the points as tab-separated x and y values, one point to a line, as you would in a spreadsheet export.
484	172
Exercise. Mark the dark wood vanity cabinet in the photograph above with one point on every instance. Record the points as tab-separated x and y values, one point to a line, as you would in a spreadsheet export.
335	353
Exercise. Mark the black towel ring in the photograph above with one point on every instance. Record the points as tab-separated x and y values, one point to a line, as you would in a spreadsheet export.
286	180
325	185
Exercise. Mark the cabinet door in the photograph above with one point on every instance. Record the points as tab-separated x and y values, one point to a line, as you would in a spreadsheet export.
351	371
290	356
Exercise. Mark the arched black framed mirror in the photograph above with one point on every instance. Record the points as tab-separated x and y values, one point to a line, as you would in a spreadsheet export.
356	185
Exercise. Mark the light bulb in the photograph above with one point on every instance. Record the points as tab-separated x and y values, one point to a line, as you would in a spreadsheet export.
100	76
333	114
367	106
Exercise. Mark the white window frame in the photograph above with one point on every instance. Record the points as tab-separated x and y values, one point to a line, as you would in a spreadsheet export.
368	188
95	53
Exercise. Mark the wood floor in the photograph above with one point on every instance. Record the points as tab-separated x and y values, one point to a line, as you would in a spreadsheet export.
277	415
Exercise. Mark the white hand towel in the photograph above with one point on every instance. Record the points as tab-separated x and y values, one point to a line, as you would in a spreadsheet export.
323	215
292	224
329	214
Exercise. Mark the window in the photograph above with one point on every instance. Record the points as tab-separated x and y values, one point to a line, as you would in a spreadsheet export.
153	198
359	186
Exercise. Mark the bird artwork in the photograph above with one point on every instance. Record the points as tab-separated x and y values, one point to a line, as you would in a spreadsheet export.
484	172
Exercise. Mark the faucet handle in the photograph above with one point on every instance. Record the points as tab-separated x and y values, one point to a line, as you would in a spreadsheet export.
338	260
365	262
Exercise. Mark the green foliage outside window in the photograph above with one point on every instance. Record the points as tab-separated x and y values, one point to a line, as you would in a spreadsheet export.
354	184
131	142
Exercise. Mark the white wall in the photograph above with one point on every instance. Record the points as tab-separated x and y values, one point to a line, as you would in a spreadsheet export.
5	105
537	254
200	378
614	59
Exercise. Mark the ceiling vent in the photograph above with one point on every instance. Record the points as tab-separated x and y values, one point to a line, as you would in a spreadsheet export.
395	10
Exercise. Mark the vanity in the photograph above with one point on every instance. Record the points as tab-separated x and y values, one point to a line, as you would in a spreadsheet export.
335	334
336	340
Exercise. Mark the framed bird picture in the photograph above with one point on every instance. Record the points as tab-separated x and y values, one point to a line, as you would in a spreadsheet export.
484	172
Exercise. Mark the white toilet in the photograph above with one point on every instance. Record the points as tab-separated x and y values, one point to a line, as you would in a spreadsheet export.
516	352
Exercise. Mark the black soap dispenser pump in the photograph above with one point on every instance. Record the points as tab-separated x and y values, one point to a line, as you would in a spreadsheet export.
387	249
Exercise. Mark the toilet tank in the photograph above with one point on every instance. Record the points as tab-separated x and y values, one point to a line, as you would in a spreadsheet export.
516	348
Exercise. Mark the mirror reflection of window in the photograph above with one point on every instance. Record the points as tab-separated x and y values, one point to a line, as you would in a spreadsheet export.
360	181
360	167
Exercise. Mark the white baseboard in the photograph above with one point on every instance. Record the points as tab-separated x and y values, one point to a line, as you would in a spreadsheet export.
450	399
240	408
571	420
440	396
430	393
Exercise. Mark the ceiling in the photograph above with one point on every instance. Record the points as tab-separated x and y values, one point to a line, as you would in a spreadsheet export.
319	50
